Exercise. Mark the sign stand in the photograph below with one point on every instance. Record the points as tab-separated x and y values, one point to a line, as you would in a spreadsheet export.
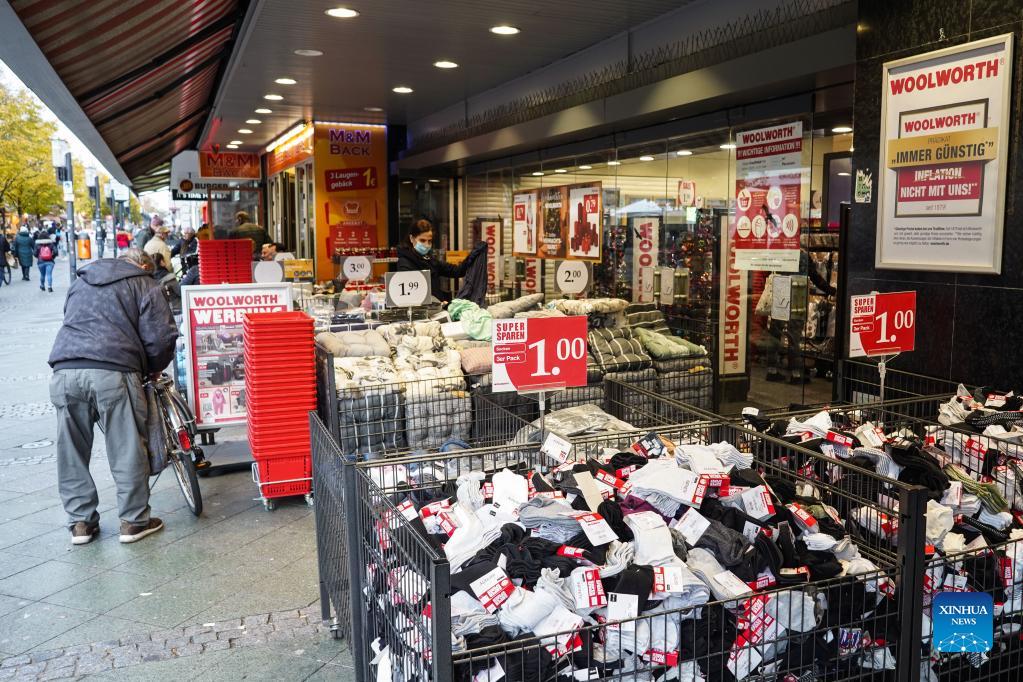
882	371
541	398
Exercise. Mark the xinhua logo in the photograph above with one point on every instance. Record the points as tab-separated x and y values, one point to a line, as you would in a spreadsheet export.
963	622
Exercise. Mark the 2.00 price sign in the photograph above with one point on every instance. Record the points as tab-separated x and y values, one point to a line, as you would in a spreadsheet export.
539	354
883	324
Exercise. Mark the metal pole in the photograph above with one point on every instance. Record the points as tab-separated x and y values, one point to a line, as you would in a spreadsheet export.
70	234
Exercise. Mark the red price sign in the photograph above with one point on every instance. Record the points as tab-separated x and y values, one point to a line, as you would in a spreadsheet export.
538	354
883	324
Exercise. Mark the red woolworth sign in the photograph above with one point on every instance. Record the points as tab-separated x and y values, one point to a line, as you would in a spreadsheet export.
883	324
539	354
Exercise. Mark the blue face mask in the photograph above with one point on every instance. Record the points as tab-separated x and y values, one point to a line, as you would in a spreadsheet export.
422	248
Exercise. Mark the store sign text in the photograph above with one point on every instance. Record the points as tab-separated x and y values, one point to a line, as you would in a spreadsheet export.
350	142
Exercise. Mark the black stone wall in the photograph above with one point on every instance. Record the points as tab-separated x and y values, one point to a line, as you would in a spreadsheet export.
970	327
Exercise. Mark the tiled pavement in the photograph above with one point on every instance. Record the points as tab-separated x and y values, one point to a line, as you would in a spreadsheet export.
230	595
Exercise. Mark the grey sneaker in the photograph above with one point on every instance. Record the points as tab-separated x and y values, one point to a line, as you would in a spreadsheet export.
132	532
83	533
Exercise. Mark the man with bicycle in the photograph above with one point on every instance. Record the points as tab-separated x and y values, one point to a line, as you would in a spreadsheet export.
117	328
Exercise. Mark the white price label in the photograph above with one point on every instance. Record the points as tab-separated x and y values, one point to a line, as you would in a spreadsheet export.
572	277
556	447
597	530
623	606
757	503
357	268
407	289
692	525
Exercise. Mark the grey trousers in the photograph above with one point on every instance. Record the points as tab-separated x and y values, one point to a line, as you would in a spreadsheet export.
115	401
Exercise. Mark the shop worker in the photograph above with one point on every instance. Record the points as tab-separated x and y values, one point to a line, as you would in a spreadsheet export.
418	254
117	328
245	229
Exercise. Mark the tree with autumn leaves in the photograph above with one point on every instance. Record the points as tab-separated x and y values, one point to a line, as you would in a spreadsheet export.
27	181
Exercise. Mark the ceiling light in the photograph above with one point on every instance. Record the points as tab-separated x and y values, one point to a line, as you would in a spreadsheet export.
504	30
375	110
263	110
537	174
342	13
296	132
614	163
232	146
843	173
235	142
560	170
253	121
308	53
728	145
433	180
406	182
683	152
244	131
841	129
285	81
445	64
273	98
585	167
402	89
646	158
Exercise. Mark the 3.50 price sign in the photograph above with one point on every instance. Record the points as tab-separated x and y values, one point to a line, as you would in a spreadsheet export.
407	289
538	354
883	324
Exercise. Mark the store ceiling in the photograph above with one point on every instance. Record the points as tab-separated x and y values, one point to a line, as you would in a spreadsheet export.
396	42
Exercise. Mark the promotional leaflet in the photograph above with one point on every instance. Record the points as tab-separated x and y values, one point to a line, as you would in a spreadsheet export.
214	348
524	224
769	176
553	212
944	145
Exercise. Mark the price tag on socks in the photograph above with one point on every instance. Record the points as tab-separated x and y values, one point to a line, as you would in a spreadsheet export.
492	589
587	589
596	528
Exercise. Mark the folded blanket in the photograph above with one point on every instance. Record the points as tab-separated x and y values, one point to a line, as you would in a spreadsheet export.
618	350
354	344
509	309
666	346
357	377
394	332
587	306
647	316
682	364
476	360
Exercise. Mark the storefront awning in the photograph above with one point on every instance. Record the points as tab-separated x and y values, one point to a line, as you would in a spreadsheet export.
144	73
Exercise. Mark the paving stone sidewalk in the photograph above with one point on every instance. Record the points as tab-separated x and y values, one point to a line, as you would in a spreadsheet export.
230	595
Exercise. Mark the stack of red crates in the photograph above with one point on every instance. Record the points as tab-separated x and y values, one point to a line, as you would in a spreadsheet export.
225	261
280	391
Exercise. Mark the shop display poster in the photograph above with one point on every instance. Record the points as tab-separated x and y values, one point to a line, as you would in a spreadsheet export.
553	218
768	187
944	144
585	220
734	309
646	234
214	346
524	224
539	354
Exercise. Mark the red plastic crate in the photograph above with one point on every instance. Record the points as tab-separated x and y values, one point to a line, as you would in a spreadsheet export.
297	471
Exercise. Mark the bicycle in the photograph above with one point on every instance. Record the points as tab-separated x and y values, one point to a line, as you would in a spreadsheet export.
5	271
180	434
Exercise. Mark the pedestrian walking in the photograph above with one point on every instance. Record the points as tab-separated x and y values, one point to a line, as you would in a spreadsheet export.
24	249
45	251
117	329
5	250
101	239
158	244
144	234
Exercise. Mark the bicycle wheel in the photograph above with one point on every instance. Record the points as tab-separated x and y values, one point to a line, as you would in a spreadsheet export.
188	481
7	273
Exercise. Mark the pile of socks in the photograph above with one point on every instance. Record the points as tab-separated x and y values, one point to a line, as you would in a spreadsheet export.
681	562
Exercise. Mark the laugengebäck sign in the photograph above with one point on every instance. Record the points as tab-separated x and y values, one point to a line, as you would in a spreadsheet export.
883	324
539	354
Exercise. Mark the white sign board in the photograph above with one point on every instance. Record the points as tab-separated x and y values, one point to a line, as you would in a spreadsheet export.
407	289
944	154
69	190
357	268
573	277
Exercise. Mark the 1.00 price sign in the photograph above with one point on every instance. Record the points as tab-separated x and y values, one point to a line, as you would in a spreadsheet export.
539	354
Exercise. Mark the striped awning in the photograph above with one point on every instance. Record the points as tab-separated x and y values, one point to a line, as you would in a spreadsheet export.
145	72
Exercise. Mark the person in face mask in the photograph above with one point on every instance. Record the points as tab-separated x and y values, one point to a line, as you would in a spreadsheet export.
417	254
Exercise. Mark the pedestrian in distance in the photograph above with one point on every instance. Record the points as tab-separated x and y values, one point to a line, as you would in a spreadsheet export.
101	238
45	251
158	244
117	329
5	249
24	249
144	234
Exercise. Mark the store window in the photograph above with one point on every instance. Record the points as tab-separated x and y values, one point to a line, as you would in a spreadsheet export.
667	208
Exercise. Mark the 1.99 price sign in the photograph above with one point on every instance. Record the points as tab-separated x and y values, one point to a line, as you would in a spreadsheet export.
883	324
538	354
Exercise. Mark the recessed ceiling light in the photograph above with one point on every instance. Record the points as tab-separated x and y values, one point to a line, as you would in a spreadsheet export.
232	146
342	13
728	145
244	131
560	170
842	173
683	152
273	98
235	142
402	89
406	182
375	110
584	167
263	110
614	163
253	121
285	81
504	30
841	129
308	53
433	180
537	174
445	64
646	158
